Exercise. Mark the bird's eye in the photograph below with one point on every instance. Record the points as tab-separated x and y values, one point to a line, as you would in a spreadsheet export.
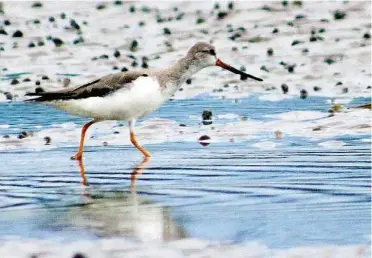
212	52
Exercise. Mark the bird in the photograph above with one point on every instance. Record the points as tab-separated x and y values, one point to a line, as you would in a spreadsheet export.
131	95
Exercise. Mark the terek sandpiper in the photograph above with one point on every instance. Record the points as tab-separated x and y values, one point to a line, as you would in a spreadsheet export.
131	95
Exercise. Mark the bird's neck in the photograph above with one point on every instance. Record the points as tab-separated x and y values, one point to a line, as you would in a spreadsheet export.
176	75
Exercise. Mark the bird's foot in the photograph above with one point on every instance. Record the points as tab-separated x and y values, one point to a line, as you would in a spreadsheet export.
77	156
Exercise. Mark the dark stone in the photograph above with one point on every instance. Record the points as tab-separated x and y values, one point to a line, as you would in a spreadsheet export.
204	138
14	82
134	64
242	68
44	77
8	95
141	23
290	68
221	15
167	31
180	16
100	6
124	69
116	132
300	16
339	83
182	125
188	81
6	136
313	39
321	30
17	34
37	82
40	43
63	16
270	51
104	56
52	19
22	135
275	30
180	89
133	46
329	60
284	88
200	20
57	42
116	53
26	79
132	9
39	89
305	50
37	5
7	22
367	35
207	115
369	86
105	144
230	5
345	90
339	15
115	68
144	65
296	42
118	2
317	88
264	68
79	255
297	3
284	3
226	85
234	49
3	32
324	20
47	140
78	40
303	94
74	24
37	21
216	6
31	45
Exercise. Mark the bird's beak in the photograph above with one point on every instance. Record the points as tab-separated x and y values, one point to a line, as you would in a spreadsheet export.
243	75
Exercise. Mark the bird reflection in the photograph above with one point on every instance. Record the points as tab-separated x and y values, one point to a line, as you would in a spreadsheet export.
122	213
137	170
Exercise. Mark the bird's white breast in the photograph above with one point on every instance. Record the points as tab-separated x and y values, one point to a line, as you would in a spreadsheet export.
134	101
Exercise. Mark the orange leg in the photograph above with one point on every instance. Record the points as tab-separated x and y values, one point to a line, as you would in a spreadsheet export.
79	154
134	140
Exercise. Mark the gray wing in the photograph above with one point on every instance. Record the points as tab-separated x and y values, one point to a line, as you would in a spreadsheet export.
96	88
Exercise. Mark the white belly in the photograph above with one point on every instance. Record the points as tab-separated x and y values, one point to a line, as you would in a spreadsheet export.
143	97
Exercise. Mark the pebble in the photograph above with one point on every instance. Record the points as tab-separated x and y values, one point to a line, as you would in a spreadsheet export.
3	32
7	22
264	68
296	42
44	77
52	19
188	81
132	9
31	45
101	6
339	15
117	54
207	117
17	34
303	94
133	46
57	42
345	90
317	88
221	15
167	31
182	125
8	95
124	69
290	68
275	30
79	255
134	64
47	140
105	144
367	35
26	79
37	82
39	89
270	51
25	134
204	138
74	24
40	43
63	16
14	82
37	5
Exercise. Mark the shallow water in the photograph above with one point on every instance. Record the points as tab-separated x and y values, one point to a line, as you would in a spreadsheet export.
295	194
